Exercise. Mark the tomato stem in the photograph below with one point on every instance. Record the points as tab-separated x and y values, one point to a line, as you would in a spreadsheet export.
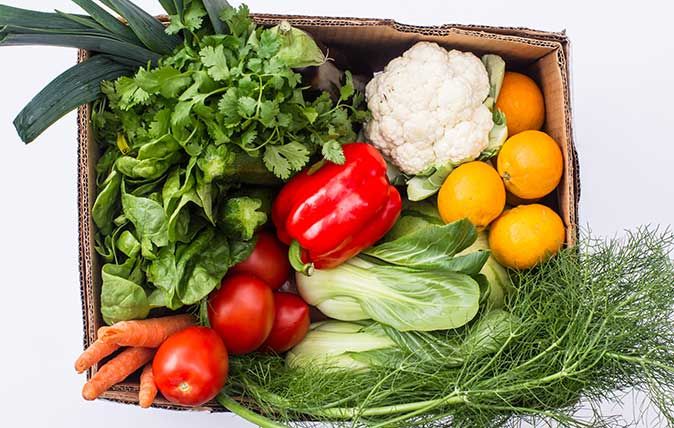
295	258
247	414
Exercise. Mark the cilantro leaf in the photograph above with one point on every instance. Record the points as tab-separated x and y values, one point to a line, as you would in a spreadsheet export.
247	106
283	160
229	106
161	123
190	20
129	93
215	61
166	81
268	112
248	137
310	113
269	45
238	20
333	152
347	90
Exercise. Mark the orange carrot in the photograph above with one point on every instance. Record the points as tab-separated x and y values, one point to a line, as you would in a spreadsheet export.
148	389
116	370
93	354
148	333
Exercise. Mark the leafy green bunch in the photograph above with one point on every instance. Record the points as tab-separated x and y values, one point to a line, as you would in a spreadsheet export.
220	95
593	321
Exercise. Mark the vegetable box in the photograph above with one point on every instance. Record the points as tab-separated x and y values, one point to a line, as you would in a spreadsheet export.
366	46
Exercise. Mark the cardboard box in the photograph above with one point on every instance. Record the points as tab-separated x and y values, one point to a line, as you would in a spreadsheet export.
366	45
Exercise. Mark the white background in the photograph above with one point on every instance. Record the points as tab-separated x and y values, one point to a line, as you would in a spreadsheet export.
623	91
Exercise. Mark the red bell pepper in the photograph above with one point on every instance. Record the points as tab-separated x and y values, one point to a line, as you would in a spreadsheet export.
329	213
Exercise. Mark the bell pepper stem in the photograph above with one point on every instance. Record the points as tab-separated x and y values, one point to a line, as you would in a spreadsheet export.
295	258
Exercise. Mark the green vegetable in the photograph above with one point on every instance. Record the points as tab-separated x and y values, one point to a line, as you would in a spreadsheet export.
298	48
354	346
122	296
413	282
497	136
500	283
221	94
78	85
422	186
242	216
100	33
148	29
591	322
403	298
433	247
335	344
496	68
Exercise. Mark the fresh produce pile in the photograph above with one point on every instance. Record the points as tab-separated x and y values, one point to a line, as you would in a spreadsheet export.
233	197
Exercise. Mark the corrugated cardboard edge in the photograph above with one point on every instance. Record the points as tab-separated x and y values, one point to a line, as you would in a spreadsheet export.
128	393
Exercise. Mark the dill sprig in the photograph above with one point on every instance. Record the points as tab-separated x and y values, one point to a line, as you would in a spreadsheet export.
595	320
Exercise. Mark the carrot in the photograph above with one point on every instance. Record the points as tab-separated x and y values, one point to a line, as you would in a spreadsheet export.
93	354
148	389
116	370
145	333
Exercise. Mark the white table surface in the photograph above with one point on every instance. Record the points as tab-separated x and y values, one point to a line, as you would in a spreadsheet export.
623	91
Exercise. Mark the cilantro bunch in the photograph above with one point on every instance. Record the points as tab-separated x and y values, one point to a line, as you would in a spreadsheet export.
221	94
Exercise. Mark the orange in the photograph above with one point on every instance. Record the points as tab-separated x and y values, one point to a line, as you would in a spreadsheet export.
521	100
530	164
474	191
526	235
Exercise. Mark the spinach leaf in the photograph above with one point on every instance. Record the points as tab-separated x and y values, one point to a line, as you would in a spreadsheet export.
189	272
208	268
150	222
107	203
122	298
128	244
205	194
149	169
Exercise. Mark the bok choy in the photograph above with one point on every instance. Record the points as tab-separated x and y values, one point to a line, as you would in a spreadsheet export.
413	282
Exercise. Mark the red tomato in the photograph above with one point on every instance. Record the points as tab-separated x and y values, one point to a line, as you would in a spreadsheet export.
291	322
269	261
242	312
191	366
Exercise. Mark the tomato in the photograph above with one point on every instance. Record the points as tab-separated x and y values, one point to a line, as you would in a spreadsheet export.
291	322
268	261
191	366
242	312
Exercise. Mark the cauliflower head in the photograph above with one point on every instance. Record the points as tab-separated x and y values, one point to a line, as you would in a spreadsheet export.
428	108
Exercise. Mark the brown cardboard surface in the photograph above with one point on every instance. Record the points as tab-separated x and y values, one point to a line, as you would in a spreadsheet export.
365	45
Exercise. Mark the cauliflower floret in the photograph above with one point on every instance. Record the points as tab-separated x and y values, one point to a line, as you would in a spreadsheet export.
427	108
